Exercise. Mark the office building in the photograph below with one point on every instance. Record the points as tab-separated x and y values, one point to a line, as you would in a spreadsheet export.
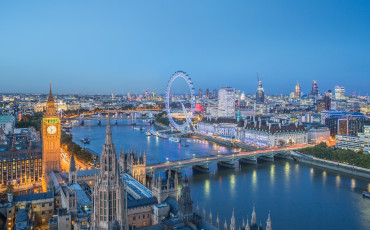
297	91
339	93
226	102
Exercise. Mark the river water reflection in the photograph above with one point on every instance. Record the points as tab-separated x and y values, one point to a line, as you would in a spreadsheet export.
298	196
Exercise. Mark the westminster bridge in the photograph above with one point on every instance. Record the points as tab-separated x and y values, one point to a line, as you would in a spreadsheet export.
227	160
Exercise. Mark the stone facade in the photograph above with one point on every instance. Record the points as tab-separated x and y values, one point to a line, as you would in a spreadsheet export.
108	211
134	165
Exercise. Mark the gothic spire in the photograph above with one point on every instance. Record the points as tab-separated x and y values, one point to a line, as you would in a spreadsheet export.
254	218
72	166
232	222
268	225
50	98
108	133
247	227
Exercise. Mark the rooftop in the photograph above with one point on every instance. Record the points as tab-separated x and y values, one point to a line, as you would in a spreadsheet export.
141	202
22	215
137	186
33	196
6	118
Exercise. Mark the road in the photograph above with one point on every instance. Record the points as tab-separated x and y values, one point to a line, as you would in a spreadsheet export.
65	159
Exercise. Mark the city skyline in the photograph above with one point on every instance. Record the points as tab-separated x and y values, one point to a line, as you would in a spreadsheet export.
128	47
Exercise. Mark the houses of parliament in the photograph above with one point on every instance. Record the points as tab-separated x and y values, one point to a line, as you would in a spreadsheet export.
118	195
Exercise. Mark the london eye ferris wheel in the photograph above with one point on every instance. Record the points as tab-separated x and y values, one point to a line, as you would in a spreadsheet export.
187	110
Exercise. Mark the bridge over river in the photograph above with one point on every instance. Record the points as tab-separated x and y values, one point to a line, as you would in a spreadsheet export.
224	160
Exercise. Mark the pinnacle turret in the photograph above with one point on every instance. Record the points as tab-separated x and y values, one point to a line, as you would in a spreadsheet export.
108	133
232	222
247	227
50	97
72	165
268	225
254	218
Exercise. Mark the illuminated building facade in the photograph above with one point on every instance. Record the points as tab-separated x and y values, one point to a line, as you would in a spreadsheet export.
339	93
226	102
317	135
224	127
315	89
23	167
297	91
134	165
260	94
265	134
356	143
108	195
51	133
323	104
344	123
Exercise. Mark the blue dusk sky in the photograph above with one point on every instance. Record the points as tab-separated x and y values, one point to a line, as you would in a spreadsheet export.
103	47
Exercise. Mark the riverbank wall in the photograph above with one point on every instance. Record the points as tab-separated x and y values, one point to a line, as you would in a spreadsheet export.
331	165
225	142
160	126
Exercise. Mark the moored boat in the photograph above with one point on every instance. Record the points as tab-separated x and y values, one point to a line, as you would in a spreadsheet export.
366	194
175	139
85	140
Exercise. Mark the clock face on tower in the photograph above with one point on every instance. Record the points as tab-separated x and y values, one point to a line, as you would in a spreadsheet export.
52	129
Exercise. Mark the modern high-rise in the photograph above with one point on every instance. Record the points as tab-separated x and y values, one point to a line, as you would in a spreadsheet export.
214	93
323	104
200	93
356	143
109	211
207	92
226	102
297	91
315	88
344	123
329	94
339	93
260	94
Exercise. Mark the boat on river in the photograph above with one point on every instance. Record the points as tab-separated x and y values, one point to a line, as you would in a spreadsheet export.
85	140
366	194
148	133
175	139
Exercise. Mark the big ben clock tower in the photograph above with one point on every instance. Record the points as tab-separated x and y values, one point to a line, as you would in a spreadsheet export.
51	132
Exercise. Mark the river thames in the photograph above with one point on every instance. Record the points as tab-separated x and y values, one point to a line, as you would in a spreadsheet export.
298	196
